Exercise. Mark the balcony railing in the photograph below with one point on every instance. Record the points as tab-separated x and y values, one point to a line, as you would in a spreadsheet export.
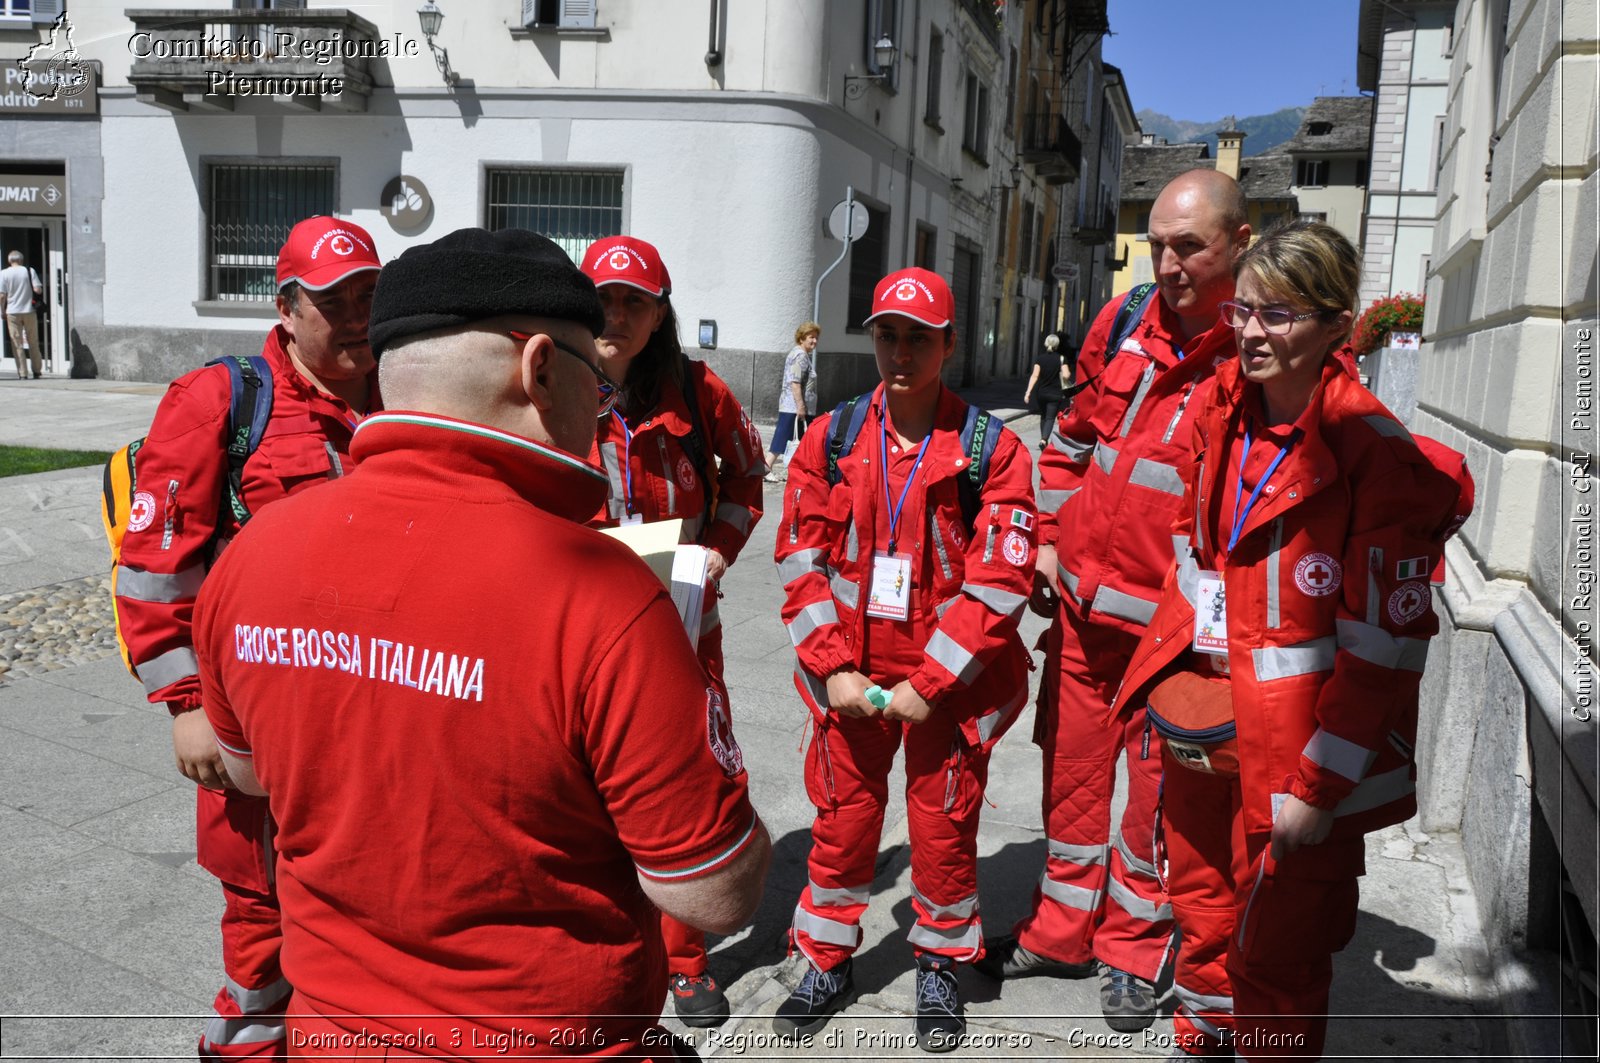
308	59
1051	147
1095	227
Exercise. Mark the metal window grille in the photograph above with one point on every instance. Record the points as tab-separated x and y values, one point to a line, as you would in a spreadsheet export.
571	207
252	209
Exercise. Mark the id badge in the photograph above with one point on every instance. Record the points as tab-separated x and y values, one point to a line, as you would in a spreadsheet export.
890	597
1211	615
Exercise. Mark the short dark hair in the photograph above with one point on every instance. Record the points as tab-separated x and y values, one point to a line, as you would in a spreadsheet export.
290	294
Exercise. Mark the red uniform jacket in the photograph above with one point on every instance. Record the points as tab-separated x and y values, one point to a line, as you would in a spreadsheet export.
1329	608
1108	483
974	662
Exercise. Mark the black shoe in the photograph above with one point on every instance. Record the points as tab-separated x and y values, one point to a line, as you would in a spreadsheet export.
1004	957
1127	1001
940	1020
818	996
698	1000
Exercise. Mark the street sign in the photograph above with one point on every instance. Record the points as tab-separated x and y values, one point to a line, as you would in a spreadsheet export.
1064	271
848	216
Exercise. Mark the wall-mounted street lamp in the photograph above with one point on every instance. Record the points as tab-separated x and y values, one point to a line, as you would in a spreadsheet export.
884	53
431	18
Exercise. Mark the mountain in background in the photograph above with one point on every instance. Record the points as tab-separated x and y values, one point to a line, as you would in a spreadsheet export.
1266	131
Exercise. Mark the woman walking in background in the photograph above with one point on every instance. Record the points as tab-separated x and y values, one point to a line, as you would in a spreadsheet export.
797	397
1047	382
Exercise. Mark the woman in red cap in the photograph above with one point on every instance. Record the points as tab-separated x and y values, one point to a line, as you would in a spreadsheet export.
677	444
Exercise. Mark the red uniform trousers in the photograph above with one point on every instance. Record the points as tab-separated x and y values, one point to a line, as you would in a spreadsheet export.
686	945
1256	957
247	1019
847	779
1071	920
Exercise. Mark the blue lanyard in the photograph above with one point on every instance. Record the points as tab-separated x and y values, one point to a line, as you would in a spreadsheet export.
895	507
627	463
1240	518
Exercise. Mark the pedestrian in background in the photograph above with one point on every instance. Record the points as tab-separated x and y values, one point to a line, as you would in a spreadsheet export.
676	444
1108	493
322	380
797	396
19	286
1297	617
906	554
477	820
1047	382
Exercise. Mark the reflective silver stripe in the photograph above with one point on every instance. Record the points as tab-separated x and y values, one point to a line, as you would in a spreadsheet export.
1125	606
168	669
844	591
1180	547
1274	615
1183	404
1105	457
826	931
1076	452
943	608
955	658
851	543
1069	580
1051	501
1082	855
810	618
1140	867
1194	1000
1138	398
1374	599
710	620
961	937
1388	426
1339	755
989	722
1377	790
1079	897
1376	646
965	908
823	897
247	1030
938	544
1157	477
1189	579
255	1001
801	563
335	464
1135	905
1000	602
140	586
1207	1028
616	505
738	516
1284	662
813	686
667	475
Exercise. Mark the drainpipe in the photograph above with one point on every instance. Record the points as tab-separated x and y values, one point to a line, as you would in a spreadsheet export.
713	53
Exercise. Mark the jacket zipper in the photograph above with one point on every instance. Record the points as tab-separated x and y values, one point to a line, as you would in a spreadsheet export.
988	543
666	476
1183	404
171	518
794	518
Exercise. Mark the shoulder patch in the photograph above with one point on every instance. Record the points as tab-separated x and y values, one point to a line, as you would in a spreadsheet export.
141	511
1318	575
719	734
1409	601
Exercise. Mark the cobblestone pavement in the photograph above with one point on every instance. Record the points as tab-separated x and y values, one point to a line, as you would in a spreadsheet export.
50	628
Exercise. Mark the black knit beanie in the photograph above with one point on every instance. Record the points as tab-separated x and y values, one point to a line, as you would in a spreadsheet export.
472	274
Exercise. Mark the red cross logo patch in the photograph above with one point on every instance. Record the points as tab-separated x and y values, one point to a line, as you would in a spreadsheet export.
341	245
141	511
1409	601
1318	575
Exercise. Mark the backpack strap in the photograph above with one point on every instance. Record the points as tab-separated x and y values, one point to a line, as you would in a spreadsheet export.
848	417
696	442
978	440
1122	326
249	410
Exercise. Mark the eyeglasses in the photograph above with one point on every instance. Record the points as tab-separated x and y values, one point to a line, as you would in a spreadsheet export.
1276	321
608	390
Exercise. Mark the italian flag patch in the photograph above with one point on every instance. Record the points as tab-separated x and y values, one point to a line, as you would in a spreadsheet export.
1411	569
1021	518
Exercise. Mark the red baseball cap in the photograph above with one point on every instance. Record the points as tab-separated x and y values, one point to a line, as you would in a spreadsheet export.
922	296
627	260
323	251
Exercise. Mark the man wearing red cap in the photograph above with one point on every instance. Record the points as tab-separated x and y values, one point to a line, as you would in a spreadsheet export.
322	381
906	554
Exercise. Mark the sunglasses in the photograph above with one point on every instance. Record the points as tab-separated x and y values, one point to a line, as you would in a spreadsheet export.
607	390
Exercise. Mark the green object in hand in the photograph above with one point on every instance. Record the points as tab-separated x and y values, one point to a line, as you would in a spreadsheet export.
879	696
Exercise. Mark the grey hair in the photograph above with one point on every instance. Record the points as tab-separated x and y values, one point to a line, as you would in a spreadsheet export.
15	256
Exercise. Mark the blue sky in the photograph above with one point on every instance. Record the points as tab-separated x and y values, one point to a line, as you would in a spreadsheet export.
1202	59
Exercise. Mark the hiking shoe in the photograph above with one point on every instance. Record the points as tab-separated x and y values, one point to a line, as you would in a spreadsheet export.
698	1000
1004	957
818	996
940	1020
1127	1001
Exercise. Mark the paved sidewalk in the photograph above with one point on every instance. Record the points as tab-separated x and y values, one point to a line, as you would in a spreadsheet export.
108	929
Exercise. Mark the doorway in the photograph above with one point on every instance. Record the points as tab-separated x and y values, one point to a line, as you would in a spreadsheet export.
43	244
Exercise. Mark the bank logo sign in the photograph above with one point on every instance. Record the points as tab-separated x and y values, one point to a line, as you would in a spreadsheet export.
52	78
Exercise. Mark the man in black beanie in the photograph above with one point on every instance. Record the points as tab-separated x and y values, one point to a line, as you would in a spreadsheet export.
468	776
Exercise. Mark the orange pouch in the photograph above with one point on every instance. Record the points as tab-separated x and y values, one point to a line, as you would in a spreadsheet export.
1193	714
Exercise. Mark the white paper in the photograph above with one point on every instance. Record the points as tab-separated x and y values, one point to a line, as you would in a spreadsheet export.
688	587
